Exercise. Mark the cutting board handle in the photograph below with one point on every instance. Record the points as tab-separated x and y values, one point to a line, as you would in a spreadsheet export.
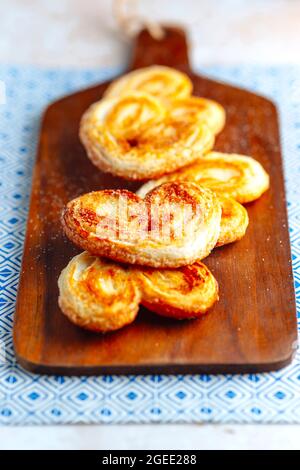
171	50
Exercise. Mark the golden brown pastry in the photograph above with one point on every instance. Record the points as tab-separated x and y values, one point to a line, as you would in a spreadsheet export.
97	294
181	293
234	221
157	80
102	296
175	224
136	137
236	176
199	109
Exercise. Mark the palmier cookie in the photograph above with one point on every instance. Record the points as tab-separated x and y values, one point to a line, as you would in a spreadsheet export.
136	137
175	224
157	80
182	293
237	176
234	221
98	294
102	296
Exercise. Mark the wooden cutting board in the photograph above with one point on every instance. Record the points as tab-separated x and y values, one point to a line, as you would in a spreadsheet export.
253	326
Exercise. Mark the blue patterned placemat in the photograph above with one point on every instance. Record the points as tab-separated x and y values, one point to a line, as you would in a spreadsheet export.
28	398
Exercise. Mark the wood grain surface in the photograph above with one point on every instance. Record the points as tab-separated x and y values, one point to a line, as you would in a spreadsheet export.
253	326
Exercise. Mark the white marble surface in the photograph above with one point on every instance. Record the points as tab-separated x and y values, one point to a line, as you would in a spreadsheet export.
156	437
83	33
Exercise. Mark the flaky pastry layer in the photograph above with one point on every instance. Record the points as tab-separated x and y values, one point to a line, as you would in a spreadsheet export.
102	296
234	221
200	110
98	294
181	293
136	137
157	80
237	176
174	225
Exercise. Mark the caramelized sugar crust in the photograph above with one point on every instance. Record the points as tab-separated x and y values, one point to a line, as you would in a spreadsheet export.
176	224
182	293
100	295
135	136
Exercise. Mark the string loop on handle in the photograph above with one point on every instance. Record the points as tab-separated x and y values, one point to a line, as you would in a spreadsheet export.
130	22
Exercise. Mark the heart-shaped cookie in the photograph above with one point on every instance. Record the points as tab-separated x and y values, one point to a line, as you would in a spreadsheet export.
237	176
135	136
174	225
101	295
